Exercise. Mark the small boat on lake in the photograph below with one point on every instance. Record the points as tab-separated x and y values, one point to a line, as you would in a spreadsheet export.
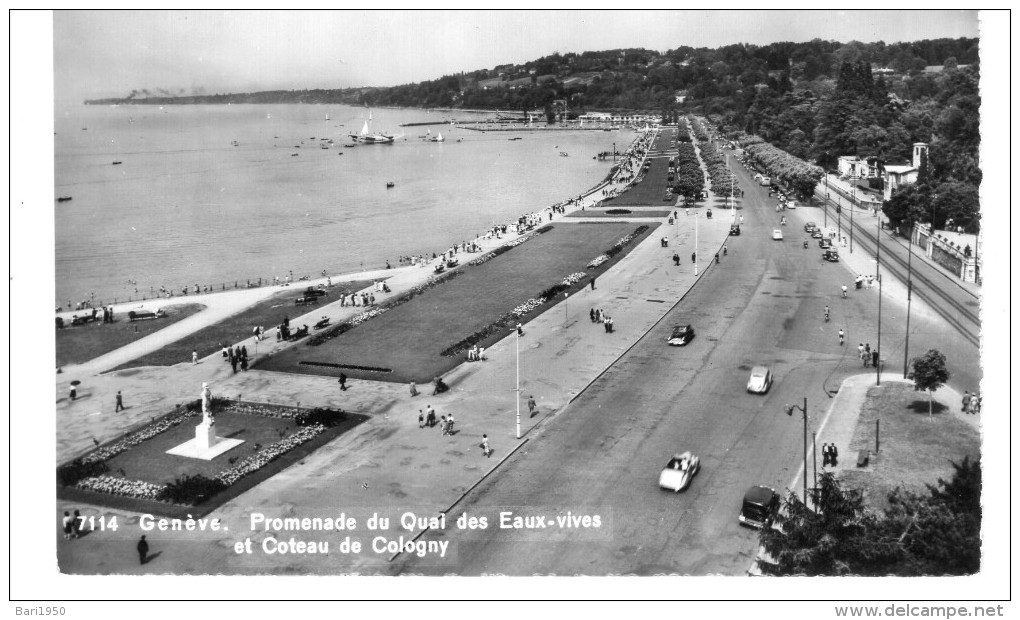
64	198
117	163
390	184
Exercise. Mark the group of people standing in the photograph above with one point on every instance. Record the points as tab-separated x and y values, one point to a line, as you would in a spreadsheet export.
829	454
357	299
867	355
236	356
599	316
427	418
476	354
971	403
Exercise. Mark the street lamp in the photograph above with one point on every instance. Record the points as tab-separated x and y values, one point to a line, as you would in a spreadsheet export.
789	411
910	288
853	199
695	243
517	390
878	276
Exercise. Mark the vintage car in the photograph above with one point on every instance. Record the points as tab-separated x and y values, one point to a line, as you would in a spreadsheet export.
760	380
816	234
810	226
306	300
831	255
141	315
315	291
825	243
735	230
759	507
681	335
777	234
679	471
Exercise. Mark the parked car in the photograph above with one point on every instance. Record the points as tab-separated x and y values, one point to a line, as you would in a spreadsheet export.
759	507
825	243
313	291
831	255
777	234
760	380
735	230
816	234
791	204
306	300
810	226
679	471
681	335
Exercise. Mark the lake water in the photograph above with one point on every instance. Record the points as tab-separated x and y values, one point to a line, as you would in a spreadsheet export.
186	206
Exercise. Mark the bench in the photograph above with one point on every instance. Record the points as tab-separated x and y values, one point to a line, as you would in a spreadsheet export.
863	456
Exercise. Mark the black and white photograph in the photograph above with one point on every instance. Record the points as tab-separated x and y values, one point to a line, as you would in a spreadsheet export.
627	304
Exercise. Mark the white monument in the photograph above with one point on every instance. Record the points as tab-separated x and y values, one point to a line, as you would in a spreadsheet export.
206	445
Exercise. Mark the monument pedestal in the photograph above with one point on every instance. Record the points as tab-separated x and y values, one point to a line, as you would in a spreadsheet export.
206	445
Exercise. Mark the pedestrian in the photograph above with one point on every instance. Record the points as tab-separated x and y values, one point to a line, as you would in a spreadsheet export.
860	353
414	388
244	364
591	315
343	382
486	450
825	454
593	284
833	454
966	402
676	259
605	324
120	403
694	257
224	350
194	357
430	416
233	363
143	550
841	336
520	329
449	424
874	358
870	278
442	424
244	352
609	322
67	525
481	353
74	392
421	419
230	355
76	525
531	406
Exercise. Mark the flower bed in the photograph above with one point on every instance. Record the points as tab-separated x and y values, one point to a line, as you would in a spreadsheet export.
598	260
89	472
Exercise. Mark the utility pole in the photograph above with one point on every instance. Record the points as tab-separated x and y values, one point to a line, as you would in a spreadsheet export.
910	255
853	200
878	276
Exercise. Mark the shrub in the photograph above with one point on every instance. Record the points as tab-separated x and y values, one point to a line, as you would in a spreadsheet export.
320	415
191	490
77	470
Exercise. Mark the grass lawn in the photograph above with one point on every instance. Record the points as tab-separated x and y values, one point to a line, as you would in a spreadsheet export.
914	450
650	191
408	340
630	213
149	462
268	313
85	342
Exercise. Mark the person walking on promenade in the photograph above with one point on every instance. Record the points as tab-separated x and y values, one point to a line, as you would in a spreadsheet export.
486	450
430	416
609	324
833	454
74	392
143	550
449	424
233	363
591	315
194	357
120	403
841	336
244	364
76	524
860	352
67	525
343	382
874	358
694	257
966	402
825	454
520	329
593	283
676	259
442	424
531	406
421	419
414	388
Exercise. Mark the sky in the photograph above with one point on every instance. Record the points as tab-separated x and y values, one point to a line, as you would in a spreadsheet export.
111	53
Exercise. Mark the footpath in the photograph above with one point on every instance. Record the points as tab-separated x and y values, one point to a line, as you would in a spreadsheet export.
387	465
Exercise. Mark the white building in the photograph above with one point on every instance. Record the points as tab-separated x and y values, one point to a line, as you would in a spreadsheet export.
900	176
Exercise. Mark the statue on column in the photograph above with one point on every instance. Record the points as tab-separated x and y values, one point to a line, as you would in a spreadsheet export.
207	414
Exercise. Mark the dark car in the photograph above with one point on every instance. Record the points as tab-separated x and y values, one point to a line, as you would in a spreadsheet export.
681	335
831	255
825	243
313	291
759	507
810	226
735	230
306	300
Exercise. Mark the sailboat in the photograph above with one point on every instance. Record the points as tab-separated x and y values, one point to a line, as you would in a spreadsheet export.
327	116
439	138
368	137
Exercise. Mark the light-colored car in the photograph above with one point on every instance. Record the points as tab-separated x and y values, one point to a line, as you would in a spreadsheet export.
791	204
679	471
760	380
777	234
810	226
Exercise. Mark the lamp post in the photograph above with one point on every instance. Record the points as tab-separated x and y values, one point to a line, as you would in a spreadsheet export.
878	276
565	313
825	205
853	199
517	390
695	243
910	288
789	411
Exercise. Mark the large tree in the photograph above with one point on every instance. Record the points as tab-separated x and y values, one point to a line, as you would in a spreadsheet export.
929	374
